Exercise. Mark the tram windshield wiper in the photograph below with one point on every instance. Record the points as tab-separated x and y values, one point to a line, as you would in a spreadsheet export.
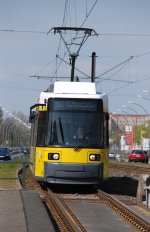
81	141
61	130
52	132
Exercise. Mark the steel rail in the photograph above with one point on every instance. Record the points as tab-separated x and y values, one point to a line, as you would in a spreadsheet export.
141	223
63	213
66	221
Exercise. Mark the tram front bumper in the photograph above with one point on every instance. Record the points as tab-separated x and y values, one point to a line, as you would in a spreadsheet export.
88	174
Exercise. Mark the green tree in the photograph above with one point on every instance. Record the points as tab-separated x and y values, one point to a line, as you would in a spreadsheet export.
137	134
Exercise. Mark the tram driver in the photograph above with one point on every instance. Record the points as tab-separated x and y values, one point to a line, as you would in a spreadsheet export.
80	134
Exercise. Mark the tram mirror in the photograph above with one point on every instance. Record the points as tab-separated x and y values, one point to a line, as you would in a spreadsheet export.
32	116
106	115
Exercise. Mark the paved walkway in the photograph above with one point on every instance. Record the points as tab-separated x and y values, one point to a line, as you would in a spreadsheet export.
12	217
23	211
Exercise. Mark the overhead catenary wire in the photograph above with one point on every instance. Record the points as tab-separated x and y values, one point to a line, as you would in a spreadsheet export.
65	15
23	31
101	34
45	66
134	82
112	75
116	89
75	67
136	68
88	14
116	66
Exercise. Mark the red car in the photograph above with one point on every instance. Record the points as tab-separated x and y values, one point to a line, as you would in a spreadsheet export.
138	156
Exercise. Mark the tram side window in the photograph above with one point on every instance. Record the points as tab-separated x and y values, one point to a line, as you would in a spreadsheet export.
41	128
33	131
32	134
106	130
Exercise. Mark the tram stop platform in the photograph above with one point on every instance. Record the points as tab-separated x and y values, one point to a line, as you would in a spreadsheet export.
23	211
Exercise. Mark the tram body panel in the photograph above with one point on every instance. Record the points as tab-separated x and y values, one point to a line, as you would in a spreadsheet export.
71	164
56	156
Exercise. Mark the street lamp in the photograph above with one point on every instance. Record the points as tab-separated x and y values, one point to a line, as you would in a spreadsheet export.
130	109
146	98
12	124
146	91
130	102
141	124
129	129
136	104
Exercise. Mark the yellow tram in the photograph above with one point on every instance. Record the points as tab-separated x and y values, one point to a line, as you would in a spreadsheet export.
69	134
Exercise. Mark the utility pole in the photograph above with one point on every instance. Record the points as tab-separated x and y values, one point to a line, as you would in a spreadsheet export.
93	67
73	58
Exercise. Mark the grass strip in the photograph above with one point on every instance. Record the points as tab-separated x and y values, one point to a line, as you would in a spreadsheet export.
9	170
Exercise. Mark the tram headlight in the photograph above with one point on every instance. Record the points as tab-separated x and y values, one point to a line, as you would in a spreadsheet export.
94	157
53	156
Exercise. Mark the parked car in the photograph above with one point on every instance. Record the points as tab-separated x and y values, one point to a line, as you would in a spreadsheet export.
112	156
14	150
137	155
5	153
25	150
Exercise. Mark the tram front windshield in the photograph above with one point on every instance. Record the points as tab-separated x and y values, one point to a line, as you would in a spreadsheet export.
75	123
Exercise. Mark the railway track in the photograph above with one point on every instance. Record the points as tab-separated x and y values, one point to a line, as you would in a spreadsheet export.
65	220
128	167
64	210
126	212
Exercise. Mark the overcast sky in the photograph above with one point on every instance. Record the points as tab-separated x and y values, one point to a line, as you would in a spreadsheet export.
27	50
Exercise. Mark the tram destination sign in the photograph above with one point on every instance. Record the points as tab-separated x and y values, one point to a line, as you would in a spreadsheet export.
75	104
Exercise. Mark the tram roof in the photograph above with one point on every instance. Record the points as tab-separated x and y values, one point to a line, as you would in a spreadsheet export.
72	90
